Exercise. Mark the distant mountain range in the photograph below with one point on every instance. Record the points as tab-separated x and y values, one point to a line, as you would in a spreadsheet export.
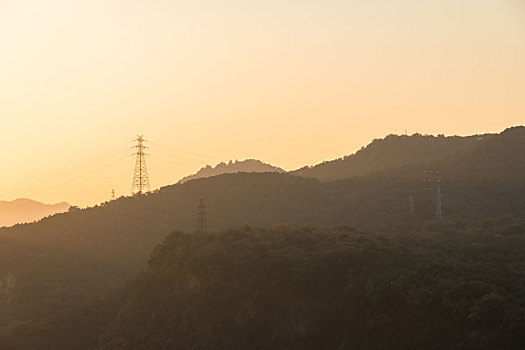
481	177
243	166
485	157
26	210
64	262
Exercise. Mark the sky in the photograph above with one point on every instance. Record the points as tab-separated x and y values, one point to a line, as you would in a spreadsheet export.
290	82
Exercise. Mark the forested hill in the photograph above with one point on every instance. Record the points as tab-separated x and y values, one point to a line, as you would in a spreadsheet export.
124	231
477	155
107	243
308	288
499	158
243	166
486	179
41	286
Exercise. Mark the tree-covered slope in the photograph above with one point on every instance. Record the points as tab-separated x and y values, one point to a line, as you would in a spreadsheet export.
393	153
499	158
41	286
115	239
479	179
305	288
123	232
490	156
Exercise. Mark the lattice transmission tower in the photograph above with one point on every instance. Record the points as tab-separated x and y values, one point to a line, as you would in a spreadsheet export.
438	204
140	175
434	179
411	207
202	226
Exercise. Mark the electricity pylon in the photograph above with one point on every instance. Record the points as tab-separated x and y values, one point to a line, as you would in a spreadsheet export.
435	179
140	175
113	195
411	208
438	204
201	216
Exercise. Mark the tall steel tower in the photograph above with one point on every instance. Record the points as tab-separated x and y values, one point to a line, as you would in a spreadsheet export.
201	215
411	208
140	175
434	179
438	204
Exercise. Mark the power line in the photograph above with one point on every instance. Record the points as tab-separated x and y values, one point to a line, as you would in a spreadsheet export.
75	181
140	175
68	174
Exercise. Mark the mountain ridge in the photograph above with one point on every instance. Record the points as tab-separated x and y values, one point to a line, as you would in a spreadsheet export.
120	235
247	166
24	210
399	151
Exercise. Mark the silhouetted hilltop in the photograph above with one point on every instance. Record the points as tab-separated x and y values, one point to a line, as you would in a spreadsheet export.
395	152
26	210
125	230
497	158
474	182
243	166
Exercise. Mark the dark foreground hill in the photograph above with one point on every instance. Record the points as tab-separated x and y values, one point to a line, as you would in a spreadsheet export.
306	288
123	232
41	286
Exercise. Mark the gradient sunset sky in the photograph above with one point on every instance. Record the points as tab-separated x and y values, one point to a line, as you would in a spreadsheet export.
290	82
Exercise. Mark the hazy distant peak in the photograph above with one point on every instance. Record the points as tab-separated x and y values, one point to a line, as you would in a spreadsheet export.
247	165
32	201
24	210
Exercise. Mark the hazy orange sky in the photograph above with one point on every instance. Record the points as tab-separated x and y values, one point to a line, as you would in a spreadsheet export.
291	82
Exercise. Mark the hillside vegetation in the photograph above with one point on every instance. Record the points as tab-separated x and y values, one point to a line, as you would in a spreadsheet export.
41	286
485	182
123	232
53	269
489	156
307	288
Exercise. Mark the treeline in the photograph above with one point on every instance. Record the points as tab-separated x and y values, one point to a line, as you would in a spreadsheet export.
64	262
115	231
311	288
41	288
52	270
488	157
